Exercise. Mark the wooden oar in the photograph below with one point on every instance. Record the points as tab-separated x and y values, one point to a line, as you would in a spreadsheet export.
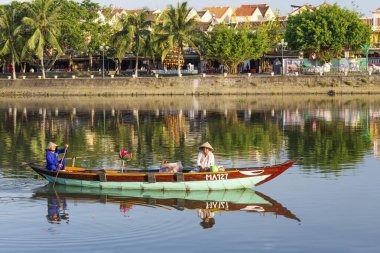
41	161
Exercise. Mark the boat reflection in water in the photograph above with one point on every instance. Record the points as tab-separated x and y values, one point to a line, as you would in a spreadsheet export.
205	203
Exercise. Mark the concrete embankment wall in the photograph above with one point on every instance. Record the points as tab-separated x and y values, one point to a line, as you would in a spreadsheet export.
194	85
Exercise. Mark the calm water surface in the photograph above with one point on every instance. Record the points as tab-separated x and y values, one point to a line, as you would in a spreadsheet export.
327	202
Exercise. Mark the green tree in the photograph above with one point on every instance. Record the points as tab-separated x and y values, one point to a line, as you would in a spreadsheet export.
72	34
10	35
20	13
153	48
327	31
232	46
120	43
178	30
134	35
275	31
97	32
81	29
42	23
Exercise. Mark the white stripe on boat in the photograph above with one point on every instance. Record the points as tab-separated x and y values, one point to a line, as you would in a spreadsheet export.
251	172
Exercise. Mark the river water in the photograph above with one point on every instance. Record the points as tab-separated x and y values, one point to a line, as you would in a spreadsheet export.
327	202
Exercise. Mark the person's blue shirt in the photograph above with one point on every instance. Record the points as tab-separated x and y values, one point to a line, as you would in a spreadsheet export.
52	162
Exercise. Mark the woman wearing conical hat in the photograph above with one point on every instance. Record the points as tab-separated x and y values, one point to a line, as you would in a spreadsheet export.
52	162
205	157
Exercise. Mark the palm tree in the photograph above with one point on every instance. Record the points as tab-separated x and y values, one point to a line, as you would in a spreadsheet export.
139	27
119	46
42	23
121	42
10	35
178	30
134	34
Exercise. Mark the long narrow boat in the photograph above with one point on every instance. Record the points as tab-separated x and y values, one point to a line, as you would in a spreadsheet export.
234	178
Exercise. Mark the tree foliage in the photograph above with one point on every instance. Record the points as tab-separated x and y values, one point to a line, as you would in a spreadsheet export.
178	30
327	31
73	32
53	27
134	34
96	31
42	24
81	29
10	35
275	31
232	46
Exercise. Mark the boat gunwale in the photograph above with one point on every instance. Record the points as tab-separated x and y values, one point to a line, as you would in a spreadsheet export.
90	172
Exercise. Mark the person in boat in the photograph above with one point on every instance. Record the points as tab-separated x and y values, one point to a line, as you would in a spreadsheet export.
52	162
205	157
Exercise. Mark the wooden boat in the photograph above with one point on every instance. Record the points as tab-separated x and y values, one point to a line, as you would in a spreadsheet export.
215	201
234	178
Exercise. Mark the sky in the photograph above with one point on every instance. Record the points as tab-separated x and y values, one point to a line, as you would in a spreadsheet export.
363	6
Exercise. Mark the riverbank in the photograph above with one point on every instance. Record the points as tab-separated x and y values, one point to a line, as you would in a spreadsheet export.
193	85
197	103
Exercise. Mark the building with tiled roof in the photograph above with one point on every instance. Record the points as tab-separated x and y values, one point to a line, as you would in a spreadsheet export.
220	14
253	13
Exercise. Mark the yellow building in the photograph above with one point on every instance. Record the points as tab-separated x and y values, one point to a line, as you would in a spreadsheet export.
374	22
376	28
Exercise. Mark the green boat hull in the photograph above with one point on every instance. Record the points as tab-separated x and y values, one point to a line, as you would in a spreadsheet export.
230	184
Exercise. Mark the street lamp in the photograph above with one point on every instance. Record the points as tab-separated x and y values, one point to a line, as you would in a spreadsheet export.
283	44
103	48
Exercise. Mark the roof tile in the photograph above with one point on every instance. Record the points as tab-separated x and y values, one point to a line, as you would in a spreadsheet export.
217	11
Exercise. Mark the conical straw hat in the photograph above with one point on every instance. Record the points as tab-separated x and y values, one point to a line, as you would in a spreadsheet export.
51	144
206	145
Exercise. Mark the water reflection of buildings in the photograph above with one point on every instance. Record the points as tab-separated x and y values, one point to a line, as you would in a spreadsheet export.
297	117
374	130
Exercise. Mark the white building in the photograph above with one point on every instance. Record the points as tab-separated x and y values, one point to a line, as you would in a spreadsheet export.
253	13
220	14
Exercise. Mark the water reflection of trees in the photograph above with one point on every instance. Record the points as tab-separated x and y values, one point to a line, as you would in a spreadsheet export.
254	136
330	146
324	138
